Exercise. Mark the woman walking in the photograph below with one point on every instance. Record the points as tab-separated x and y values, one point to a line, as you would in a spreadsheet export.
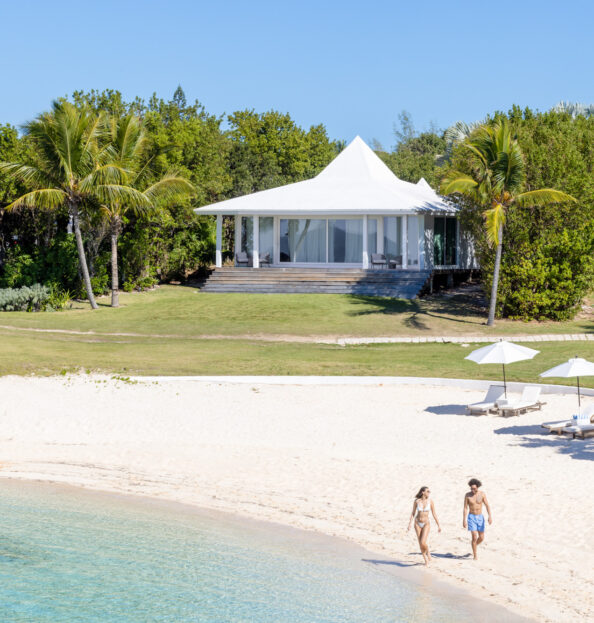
420	515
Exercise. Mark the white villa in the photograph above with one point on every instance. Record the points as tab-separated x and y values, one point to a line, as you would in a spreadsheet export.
354	215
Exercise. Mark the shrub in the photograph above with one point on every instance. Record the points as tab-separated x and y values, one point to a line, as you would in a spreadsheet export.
27	298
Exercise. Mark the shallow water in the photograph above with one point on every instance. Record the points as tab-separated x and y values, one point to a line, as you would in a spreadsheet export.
69	555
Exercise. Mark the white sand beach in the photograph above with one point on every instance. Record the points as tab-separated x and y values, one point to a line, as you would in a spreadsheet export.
343	460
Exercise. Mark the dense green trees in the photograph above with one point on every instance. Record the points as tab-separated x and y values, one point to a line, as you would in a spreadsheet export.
70	167
127	141
221	157
547	259
494	184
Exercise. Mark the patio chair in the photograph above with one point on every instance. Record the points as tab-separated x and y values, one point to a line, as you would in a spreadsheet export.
397	261
378	259
528	401
488	404
242	259
567	426
580	430
265	259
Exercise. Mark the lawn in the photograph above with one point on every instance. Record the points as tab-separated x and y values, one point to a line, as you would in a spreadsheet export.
161	332
187	312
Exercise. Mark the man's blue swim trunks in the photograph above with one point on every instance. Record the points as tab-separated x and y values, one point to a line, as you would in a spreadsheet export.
476	523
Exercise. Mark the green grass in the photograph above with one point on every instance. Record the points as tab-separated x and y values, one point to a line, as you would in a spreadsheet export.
180	316
186	312
54	353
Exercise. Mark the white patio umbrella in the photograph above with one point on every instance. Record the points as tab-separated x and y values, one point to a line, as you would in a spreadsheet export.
577	366
502	352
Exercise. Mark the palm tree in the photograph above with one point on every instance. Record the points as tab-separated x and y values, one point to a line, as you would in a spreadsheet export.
129	143
497	180
72	167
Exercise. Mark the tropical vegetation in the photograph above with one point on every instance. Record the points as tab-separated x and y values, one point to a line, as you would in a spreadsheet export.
131	240
495	184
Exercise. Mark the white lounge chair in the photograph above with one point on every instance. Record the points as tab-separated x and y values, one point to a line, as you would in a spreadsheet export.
559	427
581	430
528	401
488	404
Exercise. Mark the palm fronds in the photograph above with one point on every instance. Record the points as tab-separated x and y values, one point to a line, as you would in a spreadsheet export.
542	197
46	198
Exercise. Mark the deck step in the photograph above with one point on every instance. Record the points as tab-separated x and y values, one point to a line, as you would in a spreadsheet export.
268	280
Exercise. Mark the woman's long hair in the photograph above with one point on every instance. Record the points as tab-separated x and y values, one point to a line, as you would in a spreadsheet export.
420	493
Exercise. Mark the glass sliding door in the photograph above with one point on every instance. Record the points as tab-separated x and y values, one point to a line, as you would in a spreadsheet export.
345	241
412	223
445	241
451	255
393	238
266	236
247	235
303	240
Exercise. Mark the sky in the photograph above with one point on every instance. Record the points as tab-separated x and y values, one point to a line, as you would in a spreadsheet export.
353	66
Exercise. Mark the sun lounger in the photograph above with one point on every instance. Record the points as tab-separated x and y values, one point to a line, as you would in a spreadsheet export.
528	401
580	430
488	404
559	427
556	427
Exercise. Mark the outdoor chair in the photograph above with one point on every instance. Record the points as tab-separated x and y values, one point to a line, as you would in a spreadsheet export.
528	401
488	404
397	261
580	430
265	259
242	259
558	427
378	259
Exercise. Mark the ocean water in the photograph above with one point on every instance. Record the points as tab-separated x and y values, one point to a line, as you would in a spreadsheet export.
75	556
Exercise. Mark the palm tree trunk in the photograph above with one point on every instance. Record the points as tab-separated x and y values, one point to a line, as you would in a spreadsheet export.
81	256
115	298
495	284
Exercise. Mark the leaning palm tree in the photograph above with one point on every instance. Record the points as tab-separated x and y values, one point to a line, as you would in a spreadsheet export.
496	183
72	166
129	143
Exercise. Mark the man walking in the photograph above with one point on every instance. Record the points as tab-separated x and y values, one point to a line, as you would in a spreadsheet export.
472	515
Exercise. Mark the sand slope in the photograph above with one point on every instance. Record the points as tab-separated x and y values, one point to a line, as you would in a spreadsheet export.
338	459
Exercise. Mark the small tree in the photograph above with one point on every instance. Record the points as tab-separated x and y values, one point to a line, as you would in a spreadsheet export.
128	142
71	166
495	184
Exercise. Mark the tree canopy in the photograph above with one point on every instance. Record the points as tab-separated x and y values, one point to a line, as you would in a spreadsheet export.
547	257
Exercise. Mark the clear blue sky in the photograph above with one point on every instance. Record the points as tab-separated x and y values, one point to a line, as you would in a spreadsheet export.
350	65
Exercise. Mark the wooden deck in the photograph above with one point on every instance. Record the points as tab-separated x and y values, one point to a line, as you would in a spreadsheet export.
405	284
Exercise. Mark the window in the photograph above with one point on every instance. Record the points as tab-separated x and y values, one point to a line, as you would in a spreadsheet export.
303	240
266	235
345	240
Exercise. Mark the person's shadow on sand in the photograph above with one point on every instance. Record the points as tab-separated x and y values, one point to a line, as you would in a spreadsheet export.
398	563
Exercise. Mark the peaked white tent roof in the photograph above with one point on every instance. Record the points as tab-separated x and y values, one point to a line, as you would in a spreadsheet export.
355	182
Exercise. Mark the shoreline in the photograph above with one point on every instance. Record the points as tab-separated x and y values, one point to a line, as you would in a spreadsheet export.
483	610
340	460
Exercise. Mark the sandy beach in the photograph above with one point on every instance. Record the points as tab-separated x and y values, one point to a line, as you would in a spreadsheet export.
342	460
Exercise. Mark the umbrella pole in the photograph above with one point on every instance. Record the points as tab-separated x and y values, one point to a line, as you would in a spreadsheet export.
579	401
504	381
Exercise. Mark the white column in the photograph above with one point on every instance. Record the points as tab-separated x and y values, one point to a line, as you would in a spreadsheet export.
380	235
276	240
256	236
219	253
404	244
237	248
365	243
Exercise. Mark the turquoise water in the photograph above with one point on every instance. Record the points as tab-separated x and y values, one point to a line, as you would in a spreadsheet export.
69	555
